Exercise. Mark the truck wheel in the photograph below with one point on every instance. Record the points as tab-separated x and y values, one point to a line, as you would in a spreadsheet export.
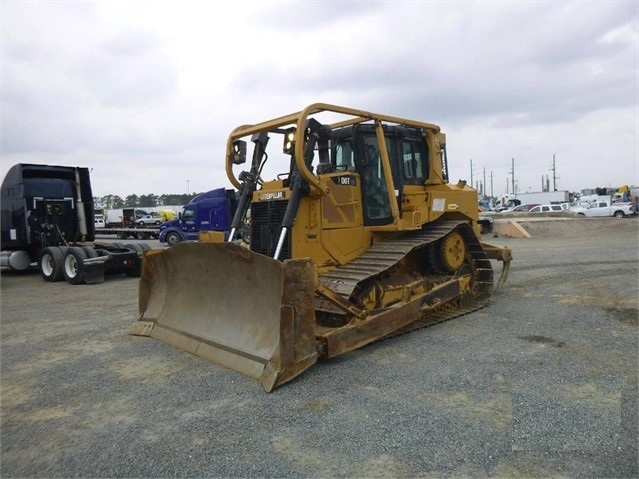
172	239
74	265
144	236
122	235
619	214
50	264
90	252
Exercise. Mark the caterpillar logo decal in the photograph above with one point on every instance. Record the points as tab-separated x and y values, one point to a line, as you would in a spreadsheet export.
275	195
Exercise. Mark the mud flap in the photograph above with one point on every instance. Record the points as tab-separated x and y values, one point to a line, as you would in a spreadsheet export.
236	308
94	273
93	267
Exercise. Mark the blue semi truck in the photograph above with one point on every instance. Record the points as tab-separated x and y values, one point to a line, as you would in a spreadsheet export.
210	211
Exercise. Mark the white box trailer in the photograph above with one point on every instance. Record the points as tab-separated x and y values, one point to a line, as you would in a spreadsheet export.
544	197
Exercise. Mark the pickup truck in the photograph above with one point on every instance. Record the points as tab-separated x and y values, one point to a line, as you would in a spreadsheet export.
605	208
148	220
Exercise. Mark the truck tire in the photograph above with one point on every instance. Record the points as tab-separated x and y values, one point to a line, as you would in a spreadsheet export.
619	214
122	235
74	265
50	264
90	252
173	238
144	236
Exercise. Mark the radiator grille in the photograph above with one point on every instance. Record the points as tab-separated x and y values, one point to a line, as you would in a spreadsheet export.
266	224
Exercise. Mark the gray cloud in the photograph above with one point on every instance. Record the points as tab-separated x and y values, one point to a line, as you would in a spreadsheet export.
148	98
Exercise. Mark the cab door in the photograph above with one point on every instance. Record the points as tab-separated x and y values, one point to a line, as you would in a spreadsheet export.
375	198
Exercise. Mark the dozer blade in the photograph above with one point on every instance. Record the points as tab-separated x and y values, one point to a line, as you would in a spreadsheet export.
242	310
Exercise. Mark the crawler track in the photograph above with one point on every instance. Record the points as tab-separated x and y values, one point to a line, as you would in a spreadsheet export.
379	260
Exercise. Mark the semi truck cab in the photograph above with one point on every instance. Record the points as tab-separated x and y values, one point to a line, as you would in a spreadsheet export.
210	211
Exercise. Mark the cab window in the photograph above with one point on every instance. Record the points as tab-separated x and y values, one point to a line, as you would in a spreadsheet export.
414	165
344	156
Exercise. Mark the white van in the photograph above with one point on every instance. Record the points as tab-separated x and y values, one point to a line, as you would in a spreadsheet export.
98	221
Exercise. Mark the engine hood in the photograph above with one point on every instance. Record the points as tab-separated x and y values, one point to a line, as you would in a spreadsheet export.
168	224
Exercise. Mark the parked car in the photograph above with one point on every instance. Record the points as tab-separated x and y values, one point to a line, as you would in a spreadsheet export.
546	209
148	220
520	208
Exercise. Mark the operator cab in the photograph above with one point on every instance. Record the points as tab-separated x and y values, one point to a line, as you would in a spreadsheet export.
356	149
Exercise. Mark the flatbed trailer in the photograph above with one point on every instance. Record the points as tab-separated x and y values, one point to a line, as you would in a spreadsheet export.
142	233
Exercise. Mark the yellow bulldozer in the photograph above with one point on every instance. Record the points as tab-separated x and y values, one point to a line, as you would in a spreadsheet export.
362	238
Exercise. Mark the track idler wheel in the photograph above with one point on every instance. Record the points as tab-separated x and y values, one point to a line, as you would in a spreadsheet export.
453	251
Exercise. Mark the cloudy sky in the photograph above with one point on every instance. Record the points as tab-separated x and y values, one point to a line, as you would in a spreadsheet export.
146	93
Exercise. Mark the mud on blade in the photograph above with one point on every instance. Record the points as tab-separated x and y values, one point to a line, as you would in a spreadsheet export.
239	309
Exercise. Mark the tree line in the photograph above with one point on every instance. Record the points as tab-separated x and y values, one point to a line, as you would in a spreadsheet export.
141	201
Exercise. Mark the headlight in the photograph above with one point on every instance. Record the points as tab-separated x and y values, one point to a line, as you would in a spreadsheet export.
238	153
289	141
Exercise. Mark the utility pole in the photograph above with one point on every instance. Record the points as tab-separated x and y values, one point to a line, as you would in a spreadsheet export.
472	185
512	173
491	185
484	184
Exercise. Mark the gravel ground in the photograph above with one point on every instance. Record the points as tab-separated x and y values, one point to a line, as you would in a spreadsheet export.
541	383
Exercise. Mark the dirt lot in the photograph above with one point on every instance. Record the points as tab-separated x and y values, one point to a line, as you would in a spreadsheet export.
541	383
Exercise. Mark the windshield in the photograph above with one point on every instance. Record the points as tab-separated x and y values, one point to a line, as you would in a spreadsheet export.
188	214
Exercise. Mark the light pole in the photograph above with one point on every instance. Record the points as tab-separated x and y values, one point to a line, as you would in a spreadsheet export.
187	187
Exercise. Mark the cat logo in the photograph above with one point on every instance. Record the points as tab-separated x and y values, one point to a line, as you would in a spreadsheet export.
274	195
